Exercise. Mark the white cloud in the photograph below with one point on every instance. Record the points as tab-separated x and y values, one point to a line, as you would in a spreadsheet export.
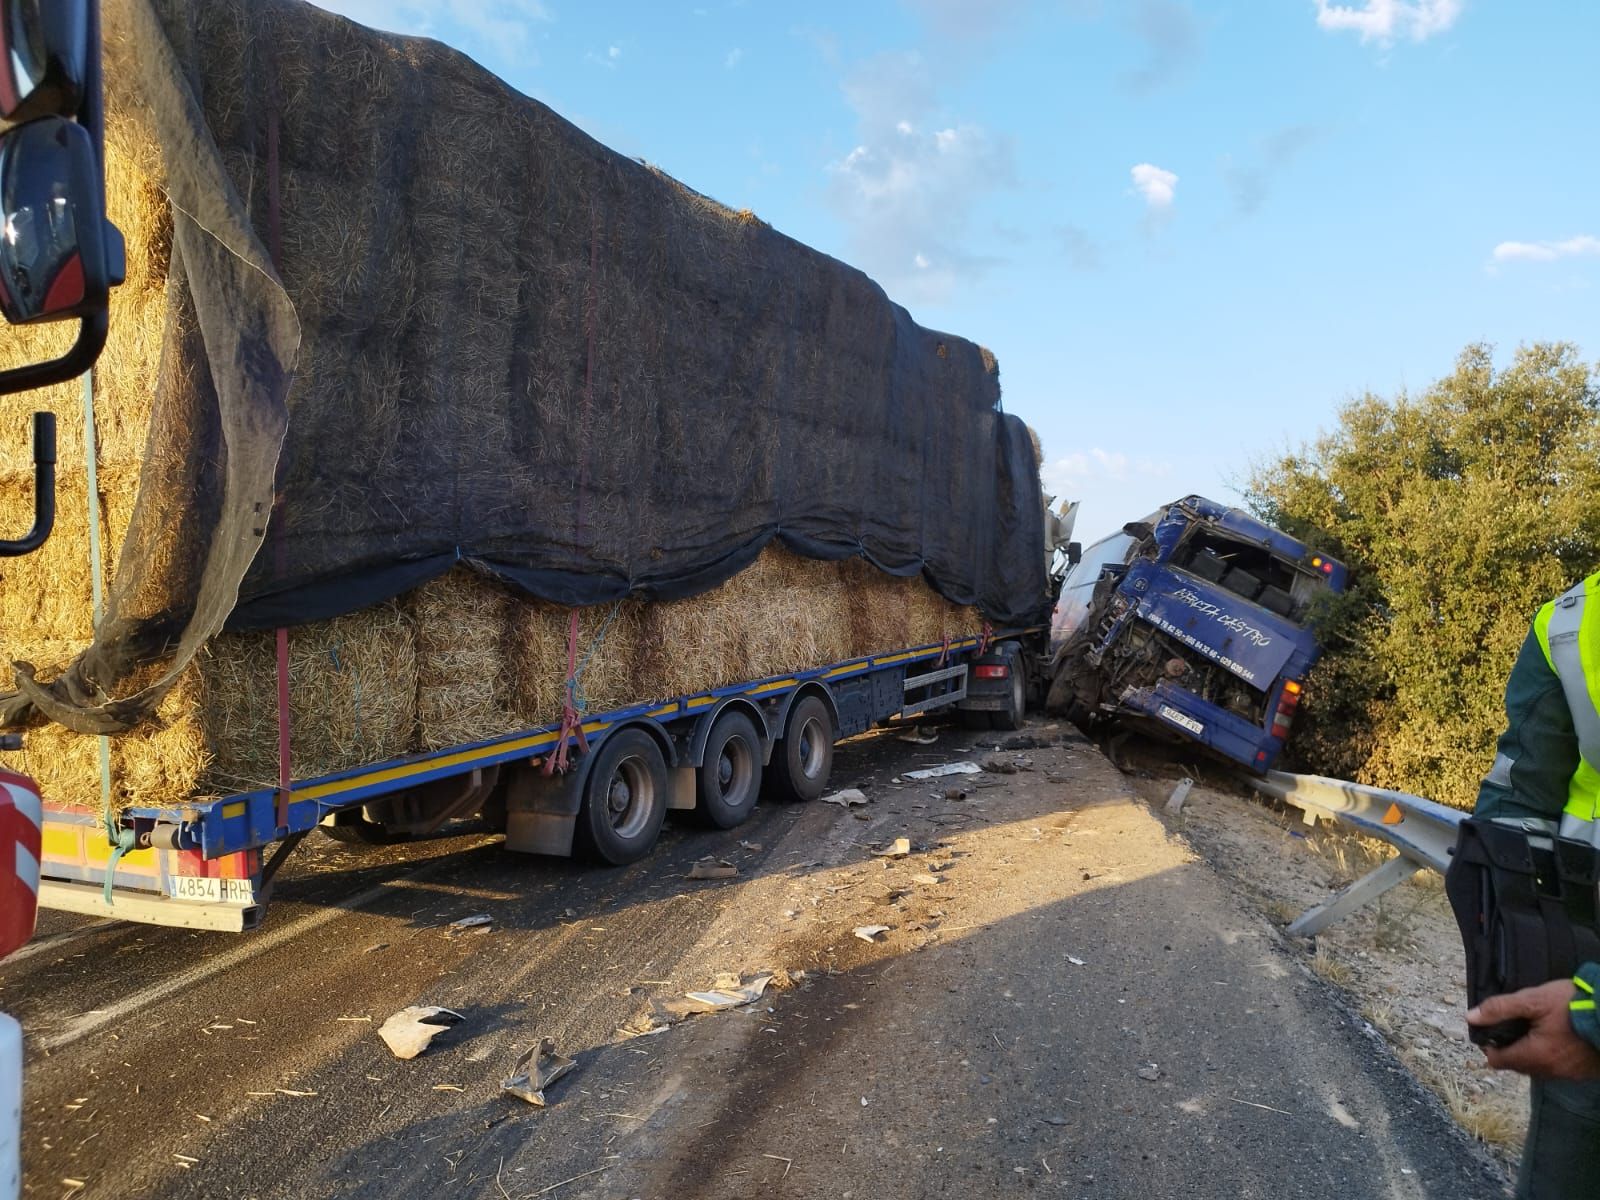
908	189
1384	20
735	57
1158	187
1582	246
609	59
496	28
1071	475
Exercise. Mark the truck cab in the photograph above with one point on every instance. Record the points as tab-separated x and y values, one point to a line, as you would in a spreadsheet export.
1195	623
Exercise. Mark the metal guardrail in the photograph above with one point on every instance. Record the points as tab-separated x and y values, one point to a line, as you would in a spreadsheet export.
1422	831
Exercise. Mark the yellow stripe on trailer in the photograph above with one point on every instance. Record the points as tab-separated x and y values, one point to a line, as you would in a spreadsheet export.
409	770
772	687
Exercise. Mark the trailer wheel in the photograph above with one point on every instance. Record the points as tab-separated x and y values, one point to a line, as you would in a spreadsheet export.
802	761
625	798
728	782
1015	714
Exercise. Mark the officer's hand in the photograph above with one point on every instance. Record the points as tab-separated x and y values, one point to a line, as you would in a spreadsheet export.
1550	1049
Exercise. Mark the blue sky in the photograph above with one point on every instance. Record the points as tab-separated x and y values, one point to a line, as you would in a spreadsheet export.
1189	229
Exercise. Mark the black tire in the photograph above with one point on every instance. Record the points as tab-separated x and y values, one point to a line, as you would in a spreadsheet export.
974	718
728	781
356	830
1015	714
802	761
624	799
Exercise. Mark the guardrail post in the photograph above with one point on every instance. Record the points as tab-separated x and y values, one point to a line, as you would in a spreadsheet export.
1363	891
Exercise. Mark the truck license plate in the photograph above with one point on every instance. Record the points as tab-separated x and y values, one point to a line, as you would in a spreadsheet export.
207	890
1178	718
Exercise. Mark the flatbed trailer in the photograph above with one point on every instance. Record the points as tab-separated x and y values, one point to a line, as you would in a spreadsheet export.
205	863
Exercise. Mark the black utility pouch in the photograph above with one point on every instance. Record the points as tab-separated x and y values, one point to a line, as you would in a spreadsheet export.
1526	905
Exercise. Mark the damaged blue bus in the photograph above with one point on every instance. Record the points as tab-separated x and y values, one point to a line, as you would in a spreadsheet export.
1193	623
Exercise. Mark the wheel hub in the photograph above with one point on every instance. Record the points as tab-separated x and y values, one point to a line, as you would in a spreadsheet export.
620	796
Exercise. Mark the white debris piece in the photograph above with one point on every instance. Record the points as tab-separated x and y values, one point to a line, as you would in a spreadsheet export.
846	798
728	991
537	1069
409	1032
955	768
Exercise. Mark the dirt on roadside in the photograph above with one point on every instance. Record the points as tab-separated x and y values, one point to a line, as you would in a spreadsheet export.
1399	960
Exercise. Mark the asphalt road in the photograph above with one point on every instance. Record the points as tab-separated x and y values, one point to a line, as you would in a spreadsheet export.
962	1050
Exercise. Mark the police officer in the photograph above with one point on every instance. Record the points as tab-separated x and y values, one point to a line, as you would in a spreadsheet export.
1547	770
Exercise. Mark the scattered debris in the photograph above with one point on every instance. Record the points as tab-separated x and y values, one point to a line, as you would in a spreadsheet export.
917	737
1150	1072
538	1068
448	1087
1057	1121
846	798
1075	960
1024	741
752	847
476	921
955	768
927	877
787	1162
1263	1107
996	765
1179	795
729	991
869	933
570	913
712	867
956	793
899	848
409	1031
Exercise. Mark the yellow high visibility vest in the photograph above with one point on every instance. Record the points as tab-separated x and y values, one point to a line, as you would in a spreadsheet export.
1568	629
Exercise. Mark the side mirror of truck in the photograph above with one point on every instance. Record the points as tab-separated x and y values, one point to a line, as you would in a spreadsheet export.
59	256
1074	553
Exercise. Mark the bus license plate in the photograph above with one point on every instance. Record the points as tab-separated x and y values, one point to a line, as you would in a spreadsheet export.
208	890
1178	718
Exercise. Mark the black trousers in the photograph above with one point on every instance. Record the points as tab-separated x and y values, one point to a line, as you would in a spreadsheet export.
1561	1158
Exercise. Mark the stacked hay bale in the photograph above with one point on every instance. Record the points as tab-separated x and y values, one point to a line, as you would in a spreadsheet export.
459	659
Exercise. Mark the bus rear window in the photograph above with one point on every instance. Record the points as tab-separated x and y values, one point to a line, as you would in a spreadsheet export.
1251	572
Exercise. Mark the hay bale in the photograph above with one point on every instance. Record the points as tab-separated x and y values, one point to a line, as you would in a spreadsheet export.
353	697
462	624
610	641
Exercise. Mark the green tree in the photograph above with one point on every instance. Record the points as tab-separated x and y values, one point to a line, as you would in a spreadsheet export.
1460	511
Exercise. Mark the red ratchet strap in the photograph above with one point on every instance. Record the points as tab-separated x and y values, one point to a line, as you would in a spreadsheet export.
983	639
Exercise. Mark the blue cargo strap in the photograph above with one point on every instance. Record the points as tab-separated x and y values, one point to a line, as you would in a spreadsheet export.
120	839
